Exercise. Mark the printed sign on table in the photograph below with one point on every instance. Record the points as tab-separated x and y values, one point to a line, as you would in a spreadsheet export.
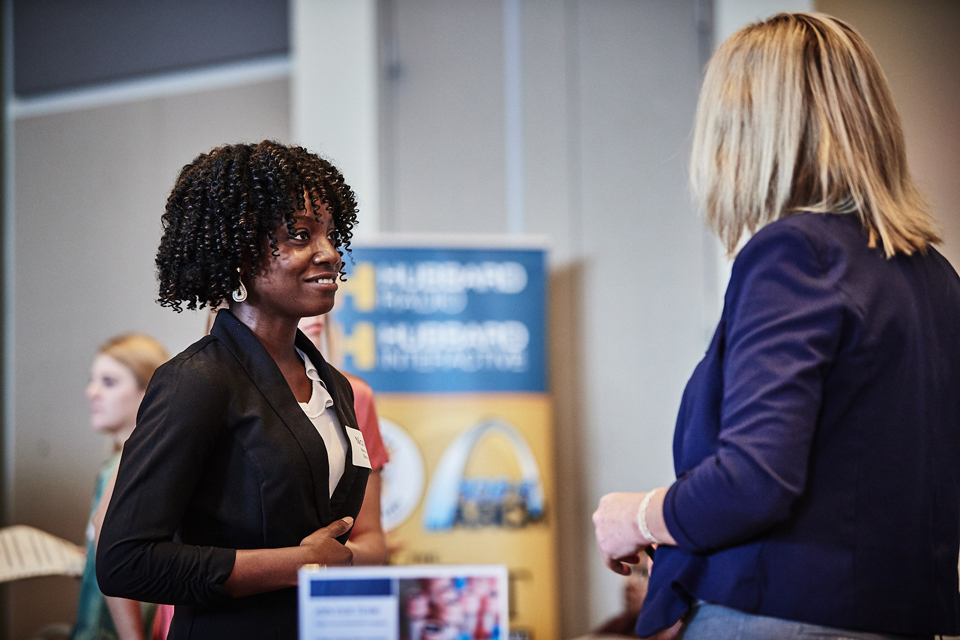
403	603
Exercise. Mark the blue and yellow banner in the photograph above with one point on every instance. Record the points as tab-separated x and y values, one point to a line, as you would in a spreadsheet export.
446	320
453	341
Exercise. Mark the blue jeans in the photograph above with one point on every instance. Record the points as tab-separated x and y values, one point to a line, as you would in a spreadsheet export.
715	622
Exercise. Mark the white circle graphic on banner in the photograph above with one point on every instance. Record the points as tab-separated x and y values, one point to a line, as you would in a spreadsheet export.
402	476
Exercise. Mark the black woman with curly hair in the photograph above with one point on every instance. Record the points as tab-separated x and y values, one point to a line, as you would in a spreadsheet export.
246	462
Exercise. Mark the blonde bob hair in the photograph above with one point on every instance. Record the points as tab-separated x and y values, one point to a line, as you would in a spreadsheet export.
138	352
795	115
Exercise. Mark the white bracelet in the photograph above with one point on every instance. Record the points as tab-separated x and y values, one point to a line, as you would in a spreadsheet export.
642	518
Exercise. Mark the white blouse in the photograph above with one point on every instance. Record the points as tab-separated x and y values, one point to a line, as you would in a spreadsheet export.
320	411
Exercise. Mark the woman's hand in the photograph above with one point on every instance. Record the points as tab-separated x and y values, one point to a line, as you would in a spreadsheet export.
618	533
324	547
261	570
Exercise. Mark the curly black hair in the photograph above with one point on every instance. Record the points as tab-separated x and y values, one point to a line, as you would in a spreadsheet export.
226	202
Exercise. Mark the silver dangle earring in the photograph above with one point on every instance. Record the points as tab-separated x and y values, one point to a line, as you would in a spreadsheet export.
240	293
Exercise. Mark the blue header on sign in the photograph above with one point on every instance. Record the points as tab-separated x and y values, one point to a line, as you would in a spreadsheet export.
445	320
359	587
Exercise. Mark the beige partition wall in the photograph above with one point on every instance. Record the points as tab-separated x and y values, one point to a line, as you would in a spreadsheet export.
90	186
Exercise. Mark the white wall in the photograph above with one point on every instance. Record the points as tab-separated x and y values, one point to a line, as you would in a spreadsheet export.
730	15
334	98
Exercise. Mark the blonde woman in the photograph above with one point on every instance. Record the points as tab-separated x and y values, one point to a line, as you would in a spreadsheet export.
118	379
821	432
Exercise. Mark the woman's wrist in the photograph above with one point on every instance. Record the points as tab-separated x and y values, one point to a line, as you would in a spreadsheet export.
648	537
261	570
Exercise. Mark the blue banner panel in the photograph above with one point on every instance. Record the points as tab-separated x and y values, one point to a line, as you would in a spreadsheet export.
436	320
374	587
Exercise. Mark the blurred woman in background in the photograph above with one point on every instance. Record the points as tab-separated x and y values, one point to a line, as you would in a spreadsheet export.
118	379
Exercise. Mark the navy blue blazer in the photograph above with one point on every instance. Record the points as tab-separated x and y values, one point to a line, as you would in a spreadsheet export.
817	448
222	458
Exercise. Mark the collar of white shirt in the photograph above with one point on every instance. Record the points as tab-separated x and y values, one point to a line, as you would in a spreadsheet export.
320	412
320	398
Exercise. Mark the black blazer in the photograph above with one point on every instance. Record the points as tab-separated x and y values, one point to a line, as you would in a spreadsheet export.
223	458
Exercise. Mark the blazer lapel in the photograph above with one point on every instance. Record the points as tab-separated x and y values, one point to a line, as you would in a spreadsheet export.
345	416
266	376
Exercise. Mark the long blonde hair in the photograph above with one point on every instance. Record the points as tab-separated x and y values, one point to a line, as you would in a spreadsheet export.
330	345
138	352
795	115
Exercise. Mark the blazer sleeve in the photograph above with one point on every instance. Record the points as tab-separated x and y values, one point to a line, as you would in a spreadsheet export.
180	419
784	320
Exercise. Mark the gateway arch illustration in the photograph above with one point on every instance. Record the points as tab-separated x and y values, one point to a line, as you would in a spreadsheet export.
453	499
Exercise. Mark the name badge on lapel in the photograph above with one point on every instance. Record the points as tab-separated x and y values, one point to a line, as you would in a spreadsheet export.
360	456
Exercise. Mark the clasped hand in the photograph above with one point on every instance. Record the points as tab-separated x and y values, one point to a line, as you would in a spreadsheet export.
324	547
618	535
